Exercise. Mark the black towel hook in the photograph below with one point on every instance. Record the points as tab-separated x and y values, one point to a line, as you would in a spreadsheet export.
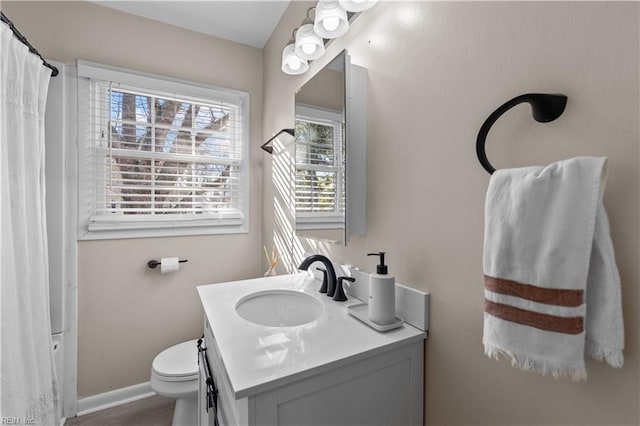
544	107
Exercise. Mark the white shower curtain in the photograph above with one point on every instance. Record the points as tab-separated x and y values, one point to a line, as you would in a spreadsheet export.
28	393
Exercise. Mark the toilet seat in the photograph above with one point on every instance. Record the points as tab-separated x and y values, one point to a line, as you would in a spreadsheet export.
174	374
177	363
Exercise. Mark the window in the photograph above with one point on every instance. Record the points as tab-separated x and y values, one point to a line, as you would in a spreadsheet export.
163	157
320	168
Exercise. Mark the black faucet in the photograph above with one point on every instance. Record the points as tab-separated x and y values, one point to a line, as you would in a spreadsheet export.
340	296
323	288
331	273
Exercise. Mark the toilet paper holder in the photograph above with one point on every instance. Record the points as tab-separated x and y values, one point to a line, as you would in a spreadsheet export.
154	263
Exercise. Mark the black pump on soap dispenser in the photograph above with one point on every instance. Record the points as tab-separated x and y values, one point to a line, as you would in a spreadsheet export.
381	268
382	294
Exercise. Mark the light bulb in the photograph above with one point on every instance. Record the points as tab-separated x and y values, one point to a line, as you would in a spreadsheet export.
331	20
308	45
330	23
291	63
309	48
294	64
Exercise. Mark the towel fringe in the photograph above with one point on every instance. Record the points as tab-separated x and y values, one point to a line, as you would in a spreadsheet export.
613	357
526	362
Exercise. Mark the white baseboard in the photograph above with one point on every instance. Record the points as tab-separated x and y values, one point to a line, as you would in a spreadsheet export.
113	398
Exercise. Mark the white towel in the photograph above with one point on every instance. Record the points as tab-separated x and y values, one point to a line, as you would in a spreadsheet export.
552	289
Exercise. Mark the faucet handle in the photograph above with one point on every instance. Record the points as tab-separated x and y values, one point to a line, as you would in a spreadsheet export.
323	289
339	295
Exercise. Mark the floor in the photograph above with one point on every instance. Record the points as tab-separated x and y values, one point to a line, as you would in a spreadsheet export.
154	411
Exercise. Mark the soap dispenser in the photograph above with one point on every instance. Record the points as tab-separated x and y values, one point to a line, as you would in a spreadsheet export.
382	294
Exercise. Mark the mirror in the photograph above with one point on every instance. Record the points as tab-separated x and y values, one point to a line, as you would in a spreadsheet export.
330	154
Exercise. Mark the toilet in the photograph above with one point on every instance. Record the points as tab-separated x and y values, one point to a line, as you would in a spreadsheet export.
174	374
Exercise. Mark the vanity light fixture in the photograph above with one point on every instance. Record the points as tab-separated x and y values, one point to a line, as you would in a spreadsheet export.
308	41
291	63
357	5
331	20
309	45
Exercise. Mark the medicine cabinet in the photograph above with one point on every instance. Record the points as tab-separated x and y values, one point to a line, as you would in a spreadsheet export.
330	153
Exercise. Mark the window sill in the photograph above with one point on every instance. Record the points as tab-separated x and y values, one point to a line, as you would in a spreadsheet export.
306	225
175	231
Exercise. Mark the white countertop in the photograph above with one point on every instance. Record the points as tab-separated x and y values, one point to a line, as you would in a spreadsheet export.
259	358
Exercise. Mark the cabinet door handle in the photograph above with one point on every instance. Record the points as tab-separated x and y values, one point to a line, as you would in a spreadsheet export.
211	397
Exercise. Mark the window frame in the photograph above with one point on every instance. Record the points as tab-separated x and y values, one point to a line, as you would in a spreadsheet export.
325	220
140	227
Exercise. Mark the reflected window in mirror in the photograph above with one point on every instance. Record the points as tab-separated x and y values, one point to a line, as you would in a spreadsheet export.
320	168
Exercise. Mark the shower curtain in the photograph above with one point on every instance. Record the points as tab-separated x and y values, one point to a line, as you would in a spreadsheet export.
28	393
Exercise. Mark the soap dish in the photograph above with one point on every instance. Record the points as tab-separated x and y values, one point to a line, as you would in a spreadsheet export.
361	312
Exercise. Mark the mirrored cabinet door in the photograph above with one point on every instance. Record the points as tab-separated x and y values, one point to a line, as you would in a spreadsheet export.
323	133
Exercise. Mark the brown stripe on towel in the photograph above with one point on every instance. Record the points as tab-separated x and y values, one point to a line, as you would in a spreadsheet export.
548	296
567	325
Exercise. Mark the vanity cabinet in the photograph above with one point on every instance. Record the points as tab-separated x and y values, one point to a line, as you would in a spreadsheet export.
385	388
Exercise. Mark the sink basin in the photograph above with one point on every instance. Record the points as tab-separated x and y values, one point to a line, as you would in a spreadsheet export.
279	308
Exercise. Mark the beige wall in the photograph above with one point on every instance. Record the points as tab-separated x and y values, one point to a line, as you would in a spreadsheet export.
128	313
436	71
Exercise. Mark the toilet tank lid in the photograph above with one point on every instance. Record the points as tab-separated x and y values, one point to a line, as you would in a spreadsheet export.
178	360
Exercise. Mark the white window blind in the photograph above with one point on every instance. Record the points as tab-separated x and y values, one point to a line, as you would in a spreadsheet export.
319	168
163	159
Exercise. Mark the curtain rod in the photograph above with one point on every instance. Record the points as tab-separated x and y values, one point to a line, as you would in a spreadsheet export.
23	39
